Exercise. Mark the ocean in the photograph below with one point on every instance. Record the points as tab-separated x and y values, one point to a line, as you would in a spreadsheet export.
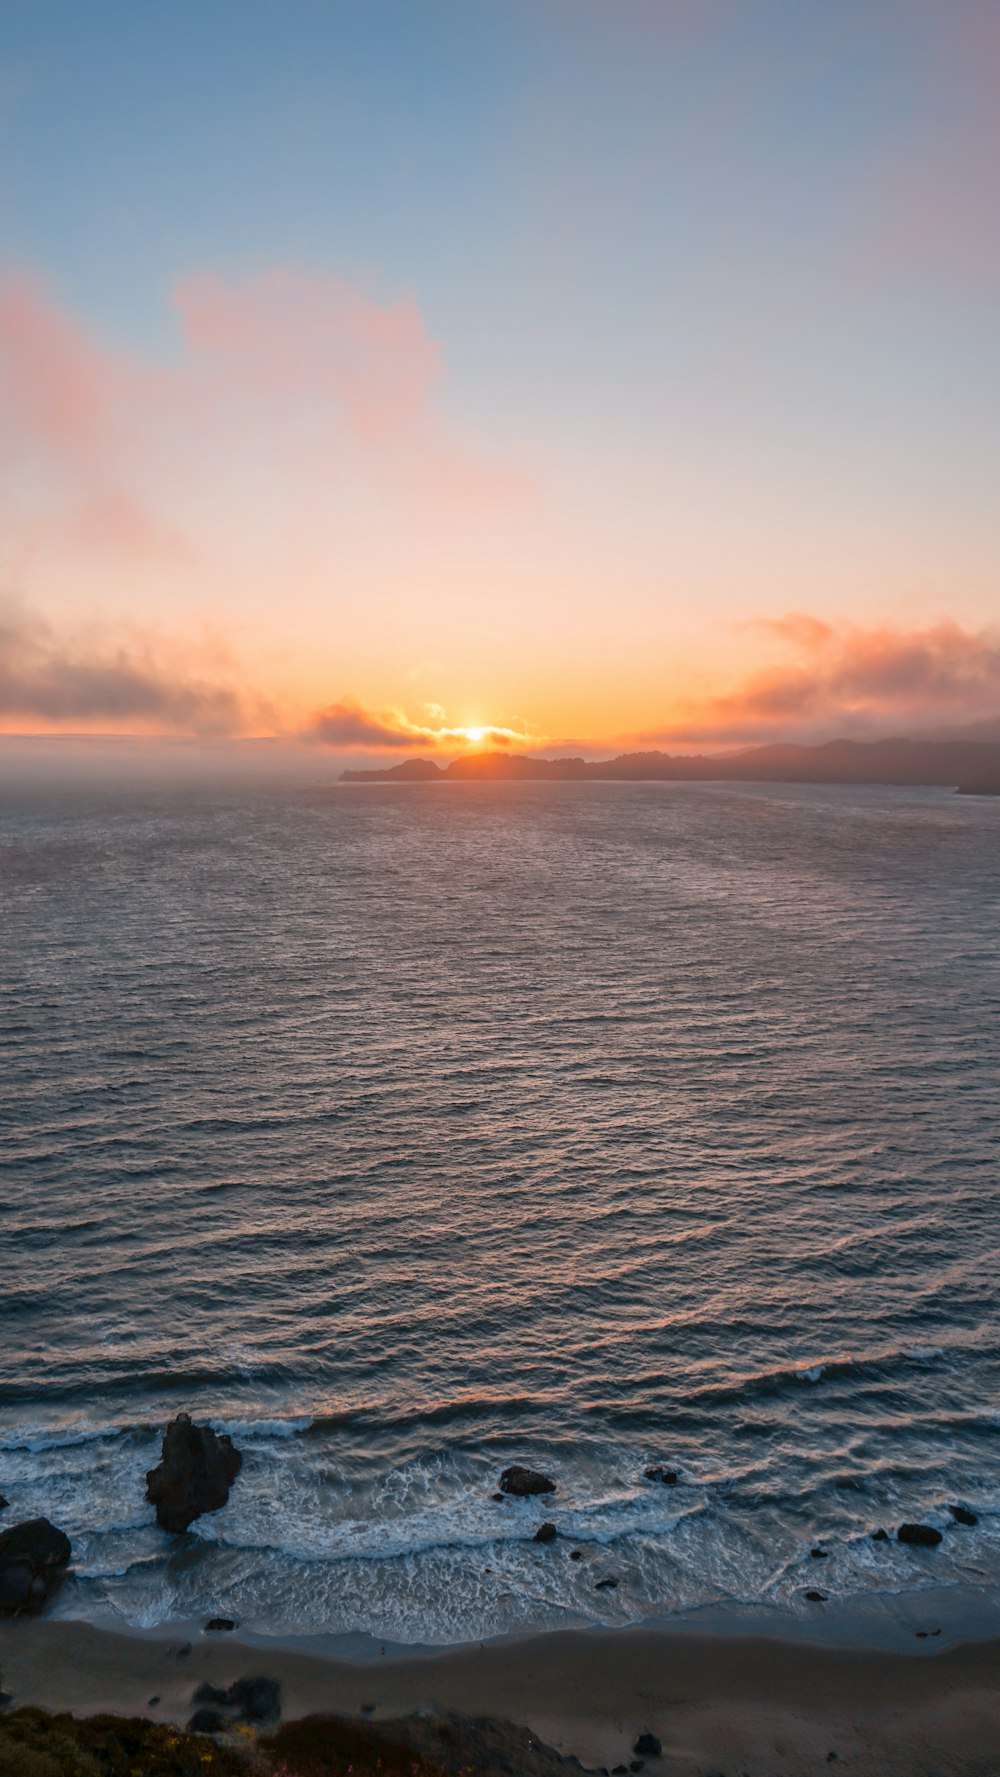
408	1132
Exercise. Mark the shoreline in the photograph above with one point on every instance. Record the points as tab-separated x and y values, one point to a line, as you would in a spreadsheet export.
930	1619
716	1702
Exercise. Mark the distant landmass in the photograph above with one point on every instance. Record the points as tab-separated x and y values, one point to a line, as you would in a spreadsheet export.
972	767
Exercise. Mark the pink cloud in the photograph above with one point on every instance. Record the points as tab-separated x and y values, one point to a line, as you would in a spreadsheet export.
844	678
283	334
292	382
57	390
933	205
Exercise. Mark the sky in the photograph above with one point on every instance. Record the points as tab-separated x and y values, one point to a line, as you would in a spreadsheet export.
399	376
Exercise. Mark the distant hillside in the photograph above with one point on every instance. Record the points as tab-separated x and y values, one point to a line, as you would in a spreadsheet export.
973	766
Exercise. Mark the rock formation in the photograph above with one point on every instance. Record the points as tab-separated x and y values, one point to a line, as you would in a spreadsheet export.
197	1469
923	1535
523	1481
32	1556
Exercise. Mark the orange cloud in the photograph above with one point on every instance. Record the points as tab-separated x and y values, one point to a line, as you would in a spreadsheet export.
348	724
843	678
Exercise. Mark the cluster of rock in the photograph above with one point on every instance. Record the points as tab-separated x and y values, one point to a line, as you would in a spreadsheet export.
255	1700
196	1470
518	1482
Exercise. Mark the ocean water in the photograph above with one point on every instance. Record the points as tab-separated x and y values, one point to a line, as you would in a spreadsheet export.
411	1131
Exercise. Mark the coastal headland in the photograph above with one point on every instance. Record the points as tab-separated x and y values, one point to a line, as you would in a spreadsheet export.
732	1705
970	766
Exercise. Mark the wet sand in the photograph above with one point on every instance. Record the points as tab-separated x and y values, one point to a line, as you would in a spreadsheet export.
733	1705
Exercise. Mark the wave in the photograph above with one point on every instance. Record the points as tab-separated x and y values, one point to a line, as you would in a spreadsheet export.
36	1439
869	1365
263	1428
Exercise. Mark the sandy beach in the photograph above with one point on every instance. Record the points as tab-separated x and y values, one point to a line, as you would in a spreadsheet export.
728	1705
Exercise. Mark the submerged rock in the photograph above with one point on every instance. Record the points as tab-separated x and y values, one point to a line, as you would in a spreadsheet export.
218	1625
880	1536
32	1556
820	1554
815	1597
524	1481
647	1746
923	1535
666	1476
197	1469
546	1533
962	1515
608	1585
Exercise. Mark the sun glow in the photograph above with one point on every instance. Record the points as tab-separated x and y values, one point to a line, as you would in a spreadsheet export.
475	735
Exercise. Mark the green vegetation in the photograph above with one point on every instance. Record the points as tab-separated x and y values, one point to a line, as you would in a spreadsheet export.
34	1744
327	1746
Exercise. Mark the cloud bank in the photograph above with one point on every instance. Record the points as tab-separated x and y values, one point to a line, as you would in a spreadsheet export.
842	678
132	683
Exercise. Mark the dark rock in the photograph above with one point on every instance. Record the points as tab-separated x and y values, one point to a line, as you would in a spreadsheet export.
647	1746
197	1469
608	1585
635	1766
962	1515
4	1503
616	1770
184	1650
32	1556
880	1536
248	1699
923	1535
207	1721
546	1533
831	1758
575	1555
256	1699
667	1476
820	1554
501	1498
523	1481
217	1625
368	1709
212	1695
152	1702
922	1634
815	1597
